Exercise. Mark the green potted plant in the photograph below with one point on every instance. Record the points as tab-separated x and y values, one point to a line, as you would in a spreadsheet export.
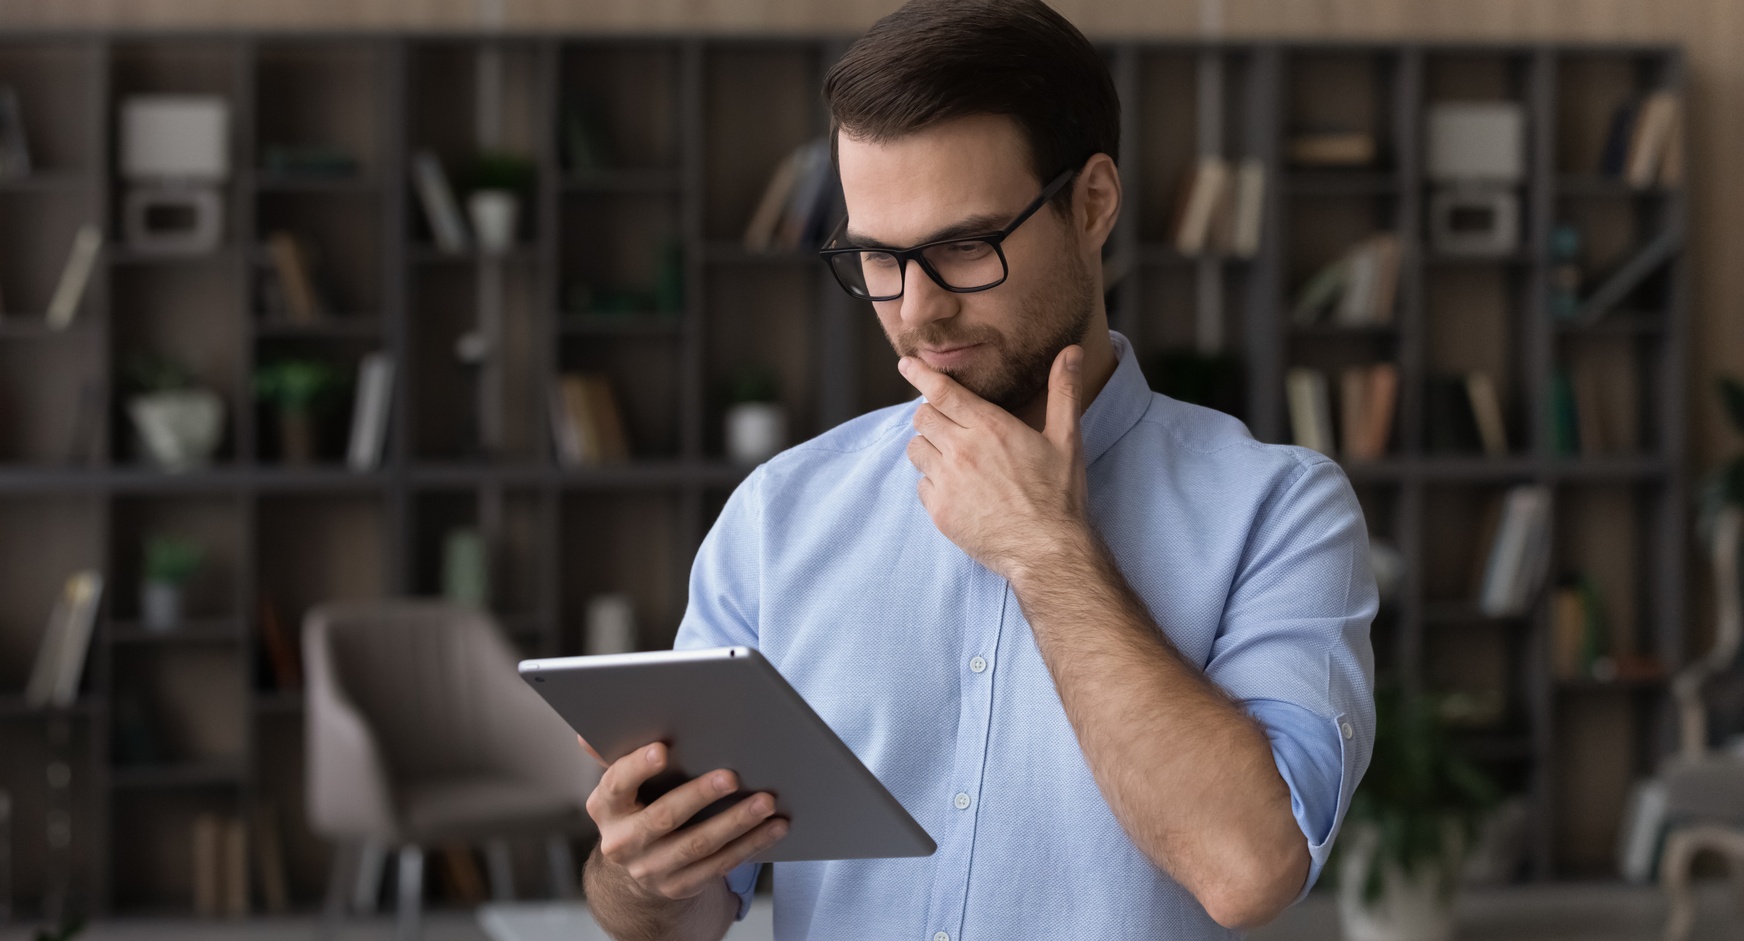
1411	825
298	389
179	424
169	562
499	181
756	422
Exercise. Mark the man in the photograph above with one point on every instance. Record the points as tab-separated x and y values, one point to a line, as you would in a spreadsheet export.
1111	652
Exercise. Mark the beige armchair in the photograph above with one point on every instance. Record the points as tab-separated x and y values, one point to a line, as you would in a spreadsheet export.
420	734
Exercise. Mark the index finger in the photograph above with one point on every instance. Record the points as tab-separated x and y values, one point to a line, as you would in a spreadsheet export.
946	394
619	784
589	749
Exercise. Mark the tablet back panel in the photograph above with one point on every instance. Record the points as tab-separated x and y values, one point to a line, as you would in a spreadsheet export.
730	708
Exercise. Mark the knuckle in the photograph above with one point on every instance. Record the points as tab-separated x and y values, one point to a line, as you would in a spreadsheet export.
639	871
696	847
657	819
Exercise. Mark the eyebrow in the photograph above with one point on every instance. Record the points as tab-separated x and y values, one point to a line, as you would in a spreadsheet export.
985	223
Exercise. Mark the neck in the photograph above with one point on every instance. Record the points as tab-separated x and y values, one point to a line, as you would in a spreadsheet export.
1099	363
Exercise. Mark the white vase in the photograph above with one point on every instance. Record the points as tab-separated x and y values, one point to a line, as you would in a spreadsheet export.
160	606
756	431
1413	906
180	429
495	215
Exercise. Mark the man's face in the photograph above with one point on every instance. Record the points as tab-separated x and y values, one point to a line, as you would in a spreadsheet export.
999	343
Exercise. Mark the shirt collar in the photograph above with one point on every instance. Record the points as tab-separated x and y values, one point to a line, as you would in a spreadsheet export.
1120	404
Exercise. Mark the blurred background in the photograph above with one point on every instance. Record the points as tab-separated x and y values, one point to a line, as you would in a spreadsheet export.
310	309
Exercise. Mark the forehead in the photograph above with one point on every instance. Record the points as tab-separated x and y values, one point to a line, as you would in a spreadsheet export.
898	191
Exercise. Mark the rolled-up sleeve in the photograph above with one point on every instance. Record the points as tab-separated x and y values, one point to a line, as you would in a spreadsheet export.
1293	647
723	605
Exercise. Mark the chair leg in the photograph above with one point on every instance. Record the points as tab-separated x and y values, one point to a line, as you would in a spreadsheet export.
371	861
409	906
345	859
563	867
502	871
1674	876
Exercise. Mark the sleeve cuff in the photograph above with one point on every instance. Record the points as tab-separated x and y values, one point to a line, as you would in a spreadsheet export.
1313	758
741	882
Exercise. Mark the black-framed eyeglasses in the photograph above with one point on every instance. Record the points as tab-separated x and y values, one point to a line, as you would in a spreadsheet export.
959	265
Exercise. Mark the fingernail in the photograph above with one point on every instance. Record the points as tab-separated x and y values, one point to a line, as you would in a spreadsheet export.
763	805
902	365
723	782
654	754
1074	360
778	829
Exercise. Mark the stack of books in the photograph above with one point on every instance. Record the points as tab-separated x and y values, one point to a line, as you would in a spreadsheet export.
1222	208
1359	287
800	202
1368	398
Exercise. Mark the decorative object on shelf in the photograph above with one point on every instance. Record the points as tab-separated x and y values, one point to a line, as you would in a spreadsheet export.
1565	276
1476	159
1411	826
499	181
60	659
175	154
369	414
70	290
756	420
611	624
170	561
308	162
14	146
466	567
437	198
300	390
179	424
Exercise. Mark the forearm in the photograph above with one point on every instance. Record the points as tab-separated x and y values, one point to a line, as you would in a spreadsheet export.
1189	775
629	914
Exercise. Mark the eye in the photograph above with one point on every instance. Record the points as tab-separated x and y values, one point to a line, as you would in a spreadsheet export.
877	259
969	251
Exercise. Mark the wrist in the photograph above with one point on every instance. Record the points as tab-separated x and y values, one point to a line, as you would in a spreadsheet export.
1066	551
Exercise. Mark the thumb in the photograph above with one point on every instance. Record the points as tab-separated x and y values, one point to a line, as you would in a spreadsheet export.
1065	395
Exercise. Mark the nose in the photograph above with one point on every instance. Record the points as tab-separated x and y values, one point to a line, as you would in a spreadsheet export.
923	301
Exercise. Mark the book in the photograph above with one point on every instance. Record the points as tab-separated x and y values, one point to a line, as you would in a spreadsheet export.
269	860
1332	149
812	189
1319	292
1486	409
465	881
208	859
283	655
565	437
1209	181
1355	304
1615	155
235	868
1250	207
607	419
1654	126
440	208
70	291
290	262
1450	426
760	231
1519	554
1353	395
591	430
369	414
1385	249
1568	631
60	659
1383	399
1310	410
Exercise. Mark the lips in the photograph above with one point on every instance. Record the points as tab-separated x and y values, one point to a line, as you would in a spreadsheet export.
941	357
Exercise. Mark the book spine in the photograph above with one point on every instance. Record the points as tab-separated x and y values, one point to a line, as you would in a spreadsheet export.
74	277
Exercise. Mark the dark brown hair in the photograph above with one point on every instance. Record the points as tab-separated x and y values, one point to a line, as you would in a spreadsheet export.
935	60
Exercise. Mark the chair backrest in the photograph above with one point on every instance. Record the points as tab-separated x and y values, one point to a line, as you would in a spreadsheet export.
436	684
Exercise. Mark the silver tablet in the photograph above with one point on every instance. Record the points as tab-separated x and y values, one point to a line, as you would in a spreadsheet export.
728	707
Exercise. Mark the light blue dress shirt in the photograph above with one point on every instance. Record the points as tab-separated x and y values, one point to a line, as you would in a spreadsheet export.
1253	559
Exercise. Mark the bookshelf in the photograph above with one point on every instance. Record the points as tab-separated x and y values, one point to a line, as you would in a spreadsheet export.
696	126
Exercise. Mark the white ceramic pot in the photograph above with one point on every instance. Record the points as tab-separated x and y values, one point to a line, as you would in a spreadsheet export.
756	431
160	606
180	429
1413	906
495	215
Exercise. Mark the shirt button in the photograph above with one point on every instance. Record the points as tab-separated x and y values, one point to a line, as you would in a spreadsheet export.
941	936
978	665
1346	729
961	801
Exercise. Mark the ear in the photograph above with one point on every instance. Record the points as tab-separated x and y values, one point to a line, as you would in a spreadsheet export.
1096	201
